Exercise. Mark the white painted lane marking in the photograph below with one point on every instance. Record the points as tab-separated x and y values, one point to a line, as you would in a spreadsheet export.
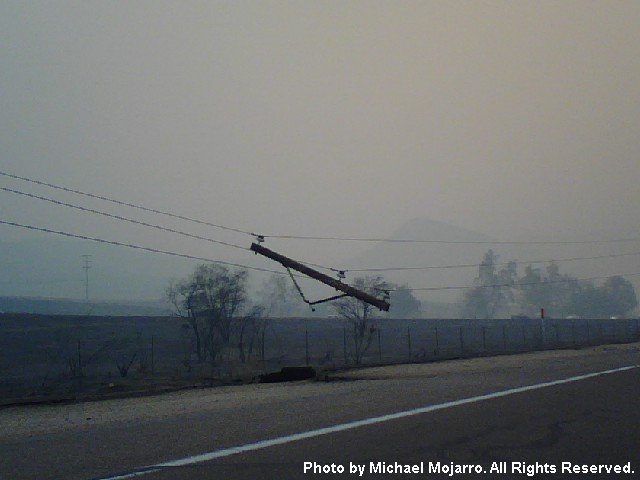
204	457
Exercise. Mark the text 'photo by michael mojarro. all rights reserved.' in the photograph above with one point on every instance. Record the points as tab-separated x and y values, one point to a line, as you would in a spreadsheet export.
452	469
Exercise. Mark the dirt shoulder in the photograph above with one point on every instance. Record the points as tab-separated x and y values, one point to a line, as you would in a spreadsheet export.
24	421
484	364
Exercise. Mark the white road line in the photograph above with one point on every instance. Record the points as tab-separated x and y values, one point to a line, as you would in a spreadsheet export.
350	425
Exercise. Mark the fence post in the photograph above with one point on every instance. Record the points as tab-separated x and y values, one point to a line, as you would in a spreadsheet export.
306	345
620	335
152	355
504	338
344	343
484	339
80	373
409	341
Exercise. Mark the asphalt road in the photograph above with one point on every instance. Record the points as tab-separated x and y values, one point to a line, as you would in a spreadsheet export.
589	421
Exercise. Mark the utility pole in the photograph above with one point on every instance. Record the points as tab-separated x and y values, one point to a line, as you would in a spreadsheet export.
321	277
86	267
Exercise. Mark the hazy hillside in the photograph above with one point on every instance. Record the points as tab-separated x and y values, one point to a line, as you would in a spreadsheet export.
382	255
52	267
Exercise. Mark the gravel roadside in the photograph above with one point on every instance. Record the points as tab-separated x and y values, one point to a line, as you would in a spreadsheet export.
24	421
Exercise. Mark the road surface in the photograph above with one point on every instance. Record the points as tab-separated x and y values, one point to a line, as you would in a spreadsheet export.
578	407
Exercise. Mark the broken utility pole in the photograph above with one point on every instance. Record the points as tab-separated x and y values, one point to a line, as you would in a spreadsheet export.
321	277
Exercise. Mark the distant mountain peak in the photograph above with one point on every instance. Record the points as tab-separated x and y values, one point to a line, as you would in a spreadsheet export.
422	228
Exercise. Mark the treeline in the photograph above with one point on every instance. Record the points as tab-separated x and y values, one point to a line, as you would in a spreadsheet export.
228	324
500	292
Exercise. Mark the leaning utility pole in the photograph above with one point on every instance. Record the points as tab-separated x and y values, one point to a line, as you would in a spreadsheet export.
348	290
86	268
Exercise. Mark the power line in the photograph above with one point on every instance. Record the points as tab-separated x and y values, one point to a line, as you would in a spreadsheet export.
453	242
319	238
499	285
144	224
126	204
138	247
359	270
354	270
470	265
119	217
193	257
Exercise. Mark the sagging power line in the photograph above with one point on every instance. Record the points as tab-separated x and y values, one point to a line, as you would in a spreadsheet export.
137	247
475	265
353	270
318	238
121	218
262	237
329	281
126	204
138	222
288	263
454	242
515	284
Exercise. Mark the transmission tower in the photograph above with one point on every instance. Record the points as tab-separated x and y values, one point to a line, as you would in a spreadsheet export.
86	267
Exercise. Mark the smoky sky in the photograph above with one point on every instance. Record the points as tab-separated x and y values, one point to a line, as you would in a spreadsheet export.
513	119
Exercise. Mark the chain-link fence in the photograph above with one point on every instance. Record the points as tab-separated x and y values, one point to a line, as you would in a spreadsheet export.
66	356
398	341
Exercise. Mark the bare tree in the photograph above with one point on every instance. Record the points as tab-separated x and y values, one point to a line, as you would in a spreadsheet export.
248	332
360	314
182	294
211	298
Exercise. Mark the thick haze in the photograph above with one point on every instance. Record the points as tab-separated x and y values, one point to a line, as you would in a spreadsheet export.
517	120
